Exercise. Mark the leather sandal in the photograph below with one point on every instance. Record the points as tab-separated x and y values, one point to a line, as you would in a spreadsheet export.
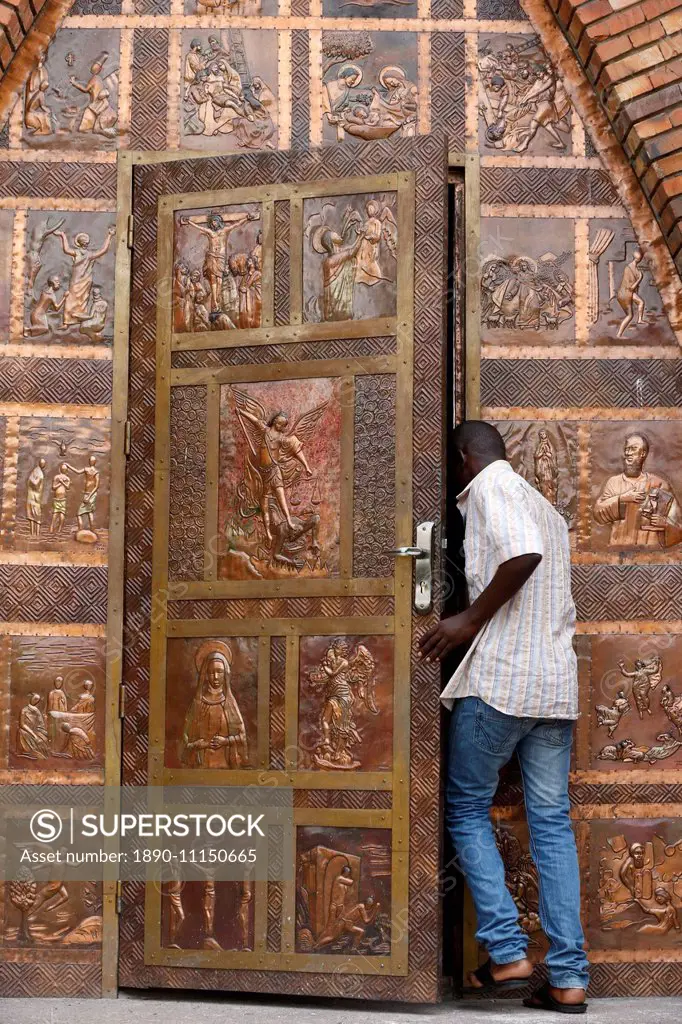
485	976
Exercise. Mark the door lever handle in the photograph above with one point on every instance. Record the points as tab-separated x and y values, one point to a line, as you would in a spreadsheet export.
423	566
406	552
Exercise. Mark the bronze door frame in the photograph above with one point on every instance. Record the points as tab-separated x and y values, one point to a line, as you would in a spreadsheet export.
469	163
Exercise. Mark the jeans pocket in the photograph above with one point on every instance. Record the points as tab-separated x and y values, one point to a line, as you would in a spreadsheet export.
494	731
558	732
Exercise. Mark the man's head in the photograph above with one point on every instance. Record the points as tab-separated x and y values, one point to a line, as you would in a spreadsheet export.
635	452
637	854
476	444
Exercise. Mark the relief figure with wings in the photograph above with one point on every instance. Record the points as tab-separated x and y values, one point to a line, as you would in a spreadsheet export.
347	680
275	462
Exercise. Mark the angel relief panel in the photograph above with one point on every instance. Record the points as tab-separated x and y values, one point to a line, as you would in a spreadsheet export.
350	257
280	469
217	268
345	704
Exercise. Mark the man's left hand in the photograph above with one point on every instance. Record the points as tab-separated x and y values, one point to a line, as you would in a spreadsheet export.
448	634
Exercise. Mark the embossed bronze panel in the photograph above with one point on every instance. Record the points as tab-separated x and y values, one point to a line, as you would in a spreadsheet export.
293	446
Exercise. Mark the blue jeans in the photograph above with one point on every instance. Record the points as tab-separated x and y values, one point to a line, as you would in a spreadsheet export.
482	741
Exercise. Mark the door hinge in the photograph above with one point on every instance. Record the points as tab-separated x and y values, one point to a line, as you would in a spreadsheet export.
119	896
127	437
131	231
122	702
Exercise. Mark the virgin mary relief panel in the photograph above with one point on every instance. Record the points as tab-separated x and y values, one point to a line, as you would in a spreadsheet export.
279	495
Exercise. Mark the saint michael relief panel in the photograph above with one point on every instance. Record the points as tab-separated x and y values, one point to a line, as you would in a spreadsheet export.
69	273
369	86
635	704
212	703
53	708
345	703
635	502
279	492
217	269
350	257
229	89
61	487
343	891
71	97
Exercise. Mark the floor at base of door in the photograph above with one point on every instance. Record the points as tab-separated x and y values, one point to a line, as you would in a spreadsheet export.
192	1008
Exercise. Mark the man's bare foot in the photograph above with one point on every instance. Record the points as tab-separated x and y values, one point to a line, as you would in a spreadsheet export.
569	996
518	970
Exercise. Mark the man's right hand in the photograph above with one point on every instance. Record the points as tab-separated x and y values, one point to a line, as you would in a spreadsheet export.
635	496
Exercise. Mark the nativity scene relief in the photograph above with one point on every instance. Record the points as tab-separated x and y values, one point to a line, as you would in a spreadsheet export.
217	269
71	96
343	891
279	479
211	703
229	97
523	105
350	257
368	85
638	721
345	704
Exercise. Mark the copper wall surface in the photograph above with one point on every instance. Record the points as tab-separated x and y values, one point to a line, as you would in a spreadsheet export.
571	378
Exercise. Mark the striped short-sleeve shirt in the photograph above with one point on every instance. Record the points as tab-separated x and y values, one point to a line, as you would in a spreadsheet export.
522	662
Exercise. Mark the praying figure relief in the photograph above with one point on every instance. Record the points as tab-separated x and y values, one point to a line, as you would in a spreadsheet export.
523	104
226	95
279	479
357	240
64	300
639	879
71	96
214	734
217	277
343	892
639	506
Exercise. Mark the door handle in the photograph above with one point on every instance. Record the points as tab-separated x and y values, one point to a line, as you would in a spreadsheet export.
422	553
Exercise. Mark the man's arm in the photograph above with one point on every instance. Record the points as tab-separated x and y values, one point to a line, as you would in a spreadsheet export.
458	629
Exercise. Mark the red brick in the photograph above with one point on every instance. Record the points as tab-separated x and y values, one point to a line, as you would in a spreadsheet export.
671	215
585	15
662	145
620	21
652	9
24	12
6	51
668	189
666	75
647	33
674	239
635	63
672	22
668	165
671	46
10	23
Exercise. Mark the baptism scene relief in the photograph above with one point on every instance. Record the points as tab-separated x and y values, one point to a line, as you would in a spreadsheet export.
635	486
279	491
212	703
207	914
62	486
55	715
369	86
345	703
639	867
546	455
71	96
523	106
217	269
350	257
527	288
229	90
623	303
343	891
636	702
54	914
69	283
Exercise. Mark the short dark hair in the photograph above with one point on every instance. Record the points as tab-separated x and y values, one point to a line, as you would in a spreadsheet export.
475	437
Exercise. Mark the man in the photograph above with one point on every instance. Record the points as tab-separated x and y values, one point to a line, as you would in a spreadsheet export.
516	690
640	506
